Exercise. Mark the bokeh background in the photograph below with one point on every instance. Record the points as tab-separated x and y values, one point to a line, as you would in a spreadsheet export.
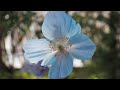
103	27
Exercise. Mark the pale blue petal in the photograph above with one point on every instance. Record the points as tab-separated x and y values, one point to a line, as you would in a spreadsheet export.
62	67
82	47
58	24
49	60
36	50
73	32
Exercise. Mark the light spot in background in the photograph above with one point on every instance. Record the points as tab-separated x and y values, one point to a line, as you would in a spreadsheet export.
18	61
91	22
99	24
8	43
34	27
71	12
77	63
95	14
82	14
106	29
8	47
15	60
7	16
106	14
39	15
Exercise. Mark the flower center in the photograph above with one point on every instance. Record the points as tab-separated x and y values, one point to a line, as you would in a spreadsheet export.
61	45
60	48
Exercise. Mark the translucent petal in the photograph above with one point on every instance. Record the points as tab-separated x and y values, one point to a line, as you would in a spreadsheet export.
62	67
58	24
76	30
82	47
50	59
36	50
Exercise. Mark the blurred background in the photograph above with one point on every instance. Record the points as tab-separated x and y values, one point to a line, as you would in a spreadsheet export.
103	27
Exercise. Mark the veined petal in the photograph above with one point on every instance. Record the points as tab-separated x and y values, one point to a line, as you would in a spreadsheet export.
50	59
36	50
82	47
62	67
58	24
76	30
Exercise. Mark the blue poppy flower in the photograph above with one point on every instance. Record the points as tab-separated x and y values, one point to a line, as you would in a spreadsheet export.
35	69
64	41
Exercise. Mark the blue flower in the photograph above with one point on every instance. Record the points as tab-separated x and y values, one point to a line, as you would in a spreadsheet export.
64	42
35	69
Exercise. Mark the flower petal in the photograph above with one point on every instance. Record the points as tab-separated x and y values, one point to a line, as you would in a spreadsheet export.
62	67
35	69
50	59
76	30
58	24
82	47
36	50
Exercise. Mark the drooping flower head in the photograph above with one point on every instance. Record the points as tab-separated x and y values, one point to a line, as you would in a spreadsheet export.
64	41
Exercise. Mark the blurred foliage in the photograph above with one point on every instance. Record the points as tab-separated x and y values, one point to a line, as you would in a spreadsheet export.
103	27
106	61
10	20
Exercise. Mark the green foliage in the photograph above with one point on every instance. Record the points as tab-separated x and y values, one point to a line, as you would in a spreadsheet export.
10	20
